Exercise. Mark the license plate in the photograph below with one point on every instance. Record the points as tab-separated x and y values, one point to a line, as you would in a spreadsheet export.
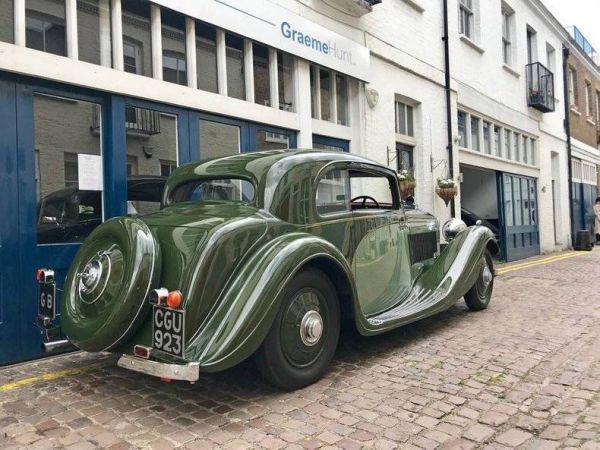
47	300
168	330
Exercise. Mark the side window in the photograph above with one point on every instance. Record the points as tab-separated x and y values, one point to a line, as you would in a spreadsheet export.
333	192
370	190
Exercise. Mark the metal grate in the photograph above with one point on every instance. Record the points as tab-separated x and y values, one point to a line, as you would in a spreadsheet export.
422	246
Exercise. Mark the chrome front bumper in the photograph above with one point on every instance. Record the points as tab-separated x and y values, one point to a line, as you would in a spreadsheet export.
185	372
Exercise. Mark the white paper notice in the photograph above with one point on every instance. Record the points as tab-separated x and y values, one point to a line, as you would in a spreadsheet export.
89	169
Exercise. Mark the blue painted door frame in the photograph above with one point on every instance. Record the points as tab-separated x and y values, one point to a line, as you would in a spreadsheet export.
20	255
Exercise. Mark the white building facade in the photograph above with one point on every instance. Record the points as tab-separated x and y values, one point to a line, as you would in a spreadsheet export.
98	95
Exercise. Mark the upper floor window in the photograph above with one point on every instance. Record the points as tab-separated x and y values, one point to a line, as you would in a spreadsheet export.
235	66
507	34
7	15
260	55
45	27
285	74
462	128
174	67
329	94
206	57
173	47
132	57
466	18
588	100
404	119
137	38
572	87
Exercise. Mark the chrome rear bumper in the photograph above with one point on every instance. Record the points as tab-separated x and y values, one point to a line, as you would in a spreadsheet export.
185	372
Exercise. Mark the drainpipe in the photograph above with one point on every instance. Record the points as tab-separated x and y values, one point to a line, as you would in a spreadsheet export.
565	54
448	102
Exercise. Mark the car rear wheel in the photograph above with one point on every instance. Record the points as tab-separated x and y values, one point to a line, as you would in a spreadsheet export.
304	334
479	296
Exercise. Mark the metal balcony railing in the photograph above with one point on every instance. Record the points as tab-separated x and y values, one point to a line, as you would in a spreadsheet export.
137	120
540	87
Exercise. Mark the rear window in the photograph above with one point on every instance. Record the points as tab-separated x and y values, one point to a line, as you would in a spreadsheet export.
219	190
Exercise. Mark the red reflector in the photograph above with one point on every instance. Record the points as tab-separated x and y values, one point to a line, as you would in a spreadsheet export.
39	274
141	351
174	299
165	380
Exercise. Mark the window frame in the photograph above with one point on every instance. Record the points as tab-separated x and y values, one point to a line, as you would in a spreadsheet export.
466	19
508	15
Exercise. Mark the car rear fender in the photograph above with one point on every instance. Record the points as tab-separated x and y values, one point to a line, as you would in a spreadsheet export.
242	316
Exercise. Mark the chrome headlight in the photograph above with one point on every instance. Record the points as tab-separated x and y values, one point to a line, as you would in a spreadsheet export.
452	227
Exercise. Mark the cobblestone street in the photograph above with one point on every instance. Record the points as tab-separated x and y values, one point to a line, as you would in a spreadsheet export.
525	373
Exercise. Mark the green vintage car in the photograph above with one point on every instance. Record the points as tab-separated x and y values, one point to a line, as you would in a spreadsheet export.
266	254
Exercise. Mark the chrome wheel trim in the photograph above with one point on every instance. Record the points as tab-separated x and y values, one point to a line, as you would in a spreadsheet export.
311	328
92	275
486	276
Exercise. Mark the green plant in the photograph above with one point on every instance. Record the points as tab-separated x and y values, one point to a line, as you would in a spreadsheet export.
406	175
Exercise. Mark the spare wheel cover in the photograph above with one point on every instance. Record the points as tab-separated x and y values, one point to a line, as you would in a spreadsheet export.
106	290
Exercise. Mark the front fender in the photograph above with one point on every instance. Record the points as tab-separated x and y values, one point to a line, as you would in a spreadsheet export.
242	317
456	269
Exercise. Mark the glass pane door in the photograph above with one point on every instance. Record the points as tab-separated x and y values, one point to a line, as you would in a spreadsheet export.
218	139
152	154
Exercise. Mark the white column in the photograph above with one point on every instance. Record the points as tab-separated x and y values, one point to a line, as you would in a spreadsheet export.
117	35
333	96
71	16
249	70
302	100
316	94
105	51
221	62
20	23
273	78
156	27
190	48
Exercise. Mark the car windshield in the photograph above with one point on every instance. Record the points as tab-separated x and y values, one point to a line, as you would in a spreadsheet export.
220	190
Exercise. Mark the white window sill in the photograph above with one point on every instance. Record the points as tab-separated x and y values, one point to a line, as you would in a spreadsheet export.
575	111
471	44
511	70
590	120
416	4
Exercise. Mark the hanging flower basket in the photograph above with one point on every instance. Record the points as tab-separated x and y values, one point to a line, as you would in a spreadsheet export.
446	189
446	194
407	188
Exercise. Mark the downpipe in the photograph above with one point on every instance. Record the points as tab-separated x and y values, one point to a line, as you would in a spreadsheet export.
450	146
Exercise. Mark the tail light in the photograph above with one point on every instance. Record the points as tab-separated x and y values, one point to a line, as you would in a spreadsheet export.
174	299
44	275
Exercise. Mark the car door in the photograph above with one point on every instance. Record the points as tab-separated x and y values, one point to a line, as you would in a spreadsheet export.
381	263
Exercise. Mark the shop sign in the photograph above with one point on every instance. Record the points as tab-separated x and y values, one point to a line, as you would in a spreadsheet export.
277	27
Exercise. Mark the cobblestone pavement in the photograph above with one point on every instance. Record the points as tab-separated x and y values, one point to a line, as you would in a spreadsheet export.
525	373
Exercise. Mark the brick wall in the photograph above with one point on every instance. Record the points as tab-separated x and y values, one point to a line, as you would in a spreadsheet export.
584	128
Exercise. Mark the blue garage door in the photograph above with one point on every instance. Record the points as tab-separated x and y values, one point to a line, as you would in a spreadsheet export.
519	216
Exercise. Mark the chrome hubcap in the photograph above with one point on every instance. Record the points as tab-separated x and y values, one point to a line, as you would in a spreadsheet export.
487	276
90	277
311	328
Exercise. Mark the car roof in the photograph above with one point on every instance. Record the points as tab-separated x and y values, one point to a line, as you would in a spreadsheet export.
265	169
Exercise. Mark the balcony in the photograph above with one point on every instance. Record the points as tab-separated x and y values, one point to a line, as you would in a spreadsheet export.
540	87
356	7
138	121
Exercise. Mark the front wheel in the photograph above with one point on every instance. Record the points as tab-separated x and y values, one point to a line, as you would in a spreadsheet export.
479	296
304	335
